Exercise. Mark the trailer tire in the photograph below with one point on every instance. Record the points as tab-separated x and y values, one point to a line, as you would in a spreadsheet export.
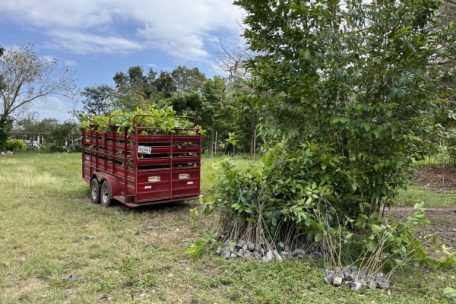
95	191
105	194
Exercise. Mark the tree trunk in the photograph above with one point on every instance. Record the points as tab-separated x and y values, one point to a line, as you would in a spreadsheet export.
254	143
215	144
5	130
212	142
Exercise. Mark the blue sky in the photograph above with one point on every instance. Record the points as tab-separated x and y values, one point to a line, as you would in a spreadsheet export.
97	38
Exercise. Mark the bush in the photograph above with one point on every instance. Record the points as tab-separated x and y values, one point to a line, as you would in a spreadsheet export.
393	243
52	148
302	198
15	145
282	197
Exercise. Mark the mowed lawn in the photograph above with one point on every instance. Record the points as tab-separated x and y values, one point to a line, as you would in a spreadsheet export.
57	247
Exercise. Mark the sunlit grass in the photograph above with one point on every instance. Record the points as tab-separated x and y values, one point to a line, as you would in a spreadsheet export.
431	198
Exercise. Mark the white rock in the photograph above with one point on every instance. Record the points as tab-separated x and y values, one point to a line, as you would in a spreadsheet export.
356	286
250	246
226	254
269	256
337	281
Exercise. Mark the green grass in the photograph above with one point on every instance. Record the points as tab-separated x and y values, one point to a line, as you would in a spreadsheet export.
57	247
431	198
441	157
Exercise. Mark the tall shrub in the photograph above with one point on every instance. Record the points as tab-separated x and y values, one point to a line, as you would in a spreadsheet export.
360	77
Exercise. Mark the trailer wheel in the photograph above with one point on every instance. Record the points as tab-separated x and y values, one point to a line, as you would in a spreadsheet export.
95	191
105	194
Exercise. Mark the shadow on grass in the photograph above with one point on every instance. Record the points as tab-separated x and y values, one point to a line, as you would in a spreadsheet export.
171	206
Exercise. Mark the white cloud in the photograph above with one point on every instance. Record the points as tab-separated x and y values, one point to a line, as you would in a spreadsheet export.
70	63
54	107
48	58
82	43
181	28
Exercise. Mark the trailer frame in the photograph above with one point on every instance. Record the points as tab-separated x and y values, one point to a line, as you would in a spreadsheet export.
141	169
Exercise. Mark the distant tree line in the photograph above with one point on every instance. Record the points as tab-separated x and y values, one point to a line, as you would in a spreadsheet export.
53	133
226	107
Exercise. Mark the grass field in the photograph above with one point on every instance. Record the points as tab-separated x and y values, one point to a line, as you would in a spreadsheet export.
416	194
57	247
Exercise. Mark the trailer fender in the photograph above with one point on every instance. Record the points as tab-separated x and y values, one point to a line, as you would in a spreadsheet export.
112	181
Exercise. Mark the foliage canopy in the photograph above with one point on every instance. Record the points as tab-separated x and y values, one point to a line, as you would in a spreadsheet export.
361	77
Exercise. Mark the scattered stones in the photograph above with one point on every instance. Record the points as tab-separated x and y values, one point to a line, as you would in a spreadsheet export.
337	281
355	286
329	280
372	284
250	246
269	256
240	253
226	254
247	254
355	279
260	251
298	253
382	283
74	277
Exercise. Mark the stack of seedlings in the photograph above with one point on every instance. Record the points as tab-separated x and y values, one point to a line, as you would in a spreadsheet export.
268	211
161	121
292	204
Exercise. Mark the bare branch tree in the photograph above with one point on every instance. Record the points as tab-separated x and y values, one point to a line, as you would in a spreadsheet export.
233	62
26	78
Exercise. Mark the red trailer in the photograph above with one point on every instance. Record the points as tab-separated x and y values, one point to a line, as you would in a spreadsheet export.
139	170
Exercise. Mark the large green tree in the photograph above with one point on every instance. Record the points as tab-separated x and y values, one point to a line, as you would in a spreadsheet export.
188	80
361	77
28	78
134	87
97	100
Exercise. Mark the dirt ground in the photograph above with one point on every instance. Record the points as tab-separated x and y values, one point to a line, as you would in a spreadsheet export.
443	222
437	177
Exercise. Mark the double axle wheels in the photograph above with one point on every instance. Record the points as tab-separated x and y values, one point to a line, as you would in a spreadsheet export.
100	194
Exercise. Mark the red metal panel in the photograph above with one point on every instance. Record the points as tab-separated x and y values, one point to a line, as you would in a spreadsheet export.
186	184
154	176
155	161
184	160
